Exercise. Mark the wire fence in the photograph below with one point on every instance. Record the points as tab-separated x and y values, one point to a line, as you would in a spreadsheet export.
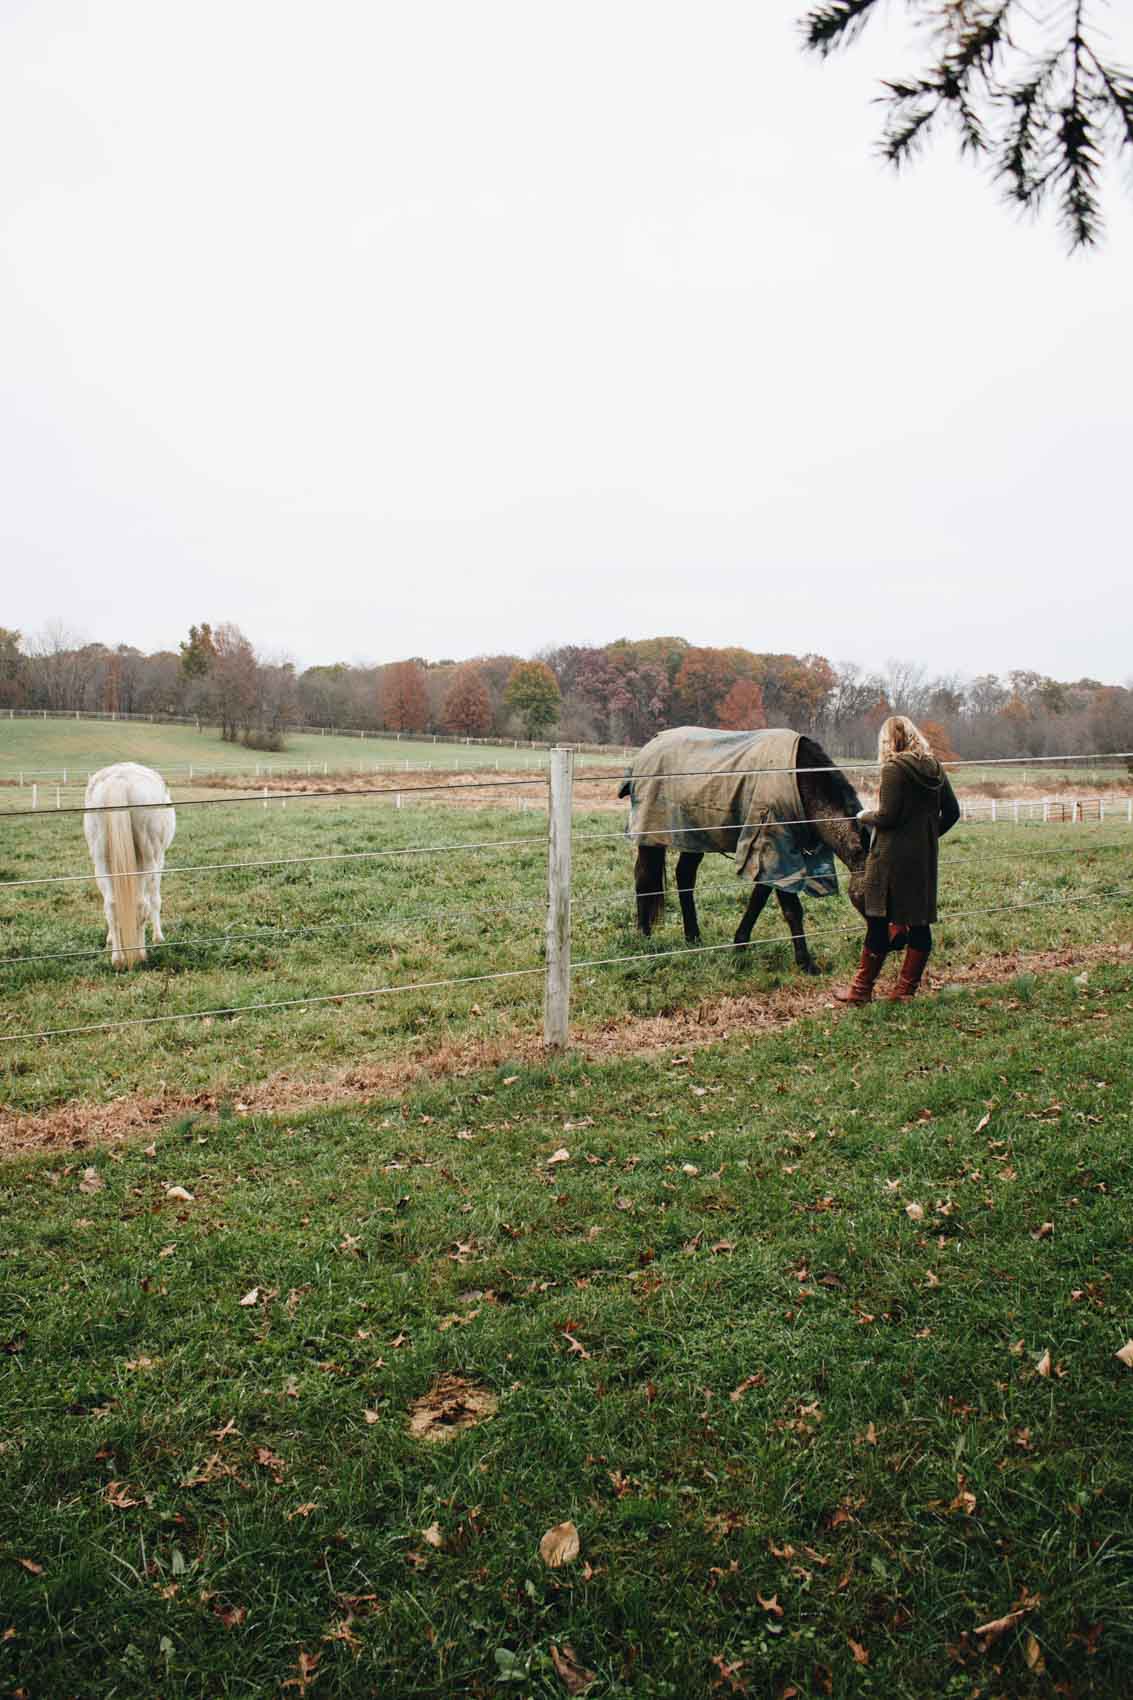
556	944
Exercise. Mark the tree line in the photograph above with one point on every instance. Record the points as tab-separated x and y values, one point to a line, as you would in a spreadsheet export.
616	693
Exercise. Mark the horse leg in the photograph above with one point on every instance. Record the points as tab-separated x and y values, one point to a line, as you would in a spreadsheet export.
106	886
793	915
688	862
756	905
649	883
152	889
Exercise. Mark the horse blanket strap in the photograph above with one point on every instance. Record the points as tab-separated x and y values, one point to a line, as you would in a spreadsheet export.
700	790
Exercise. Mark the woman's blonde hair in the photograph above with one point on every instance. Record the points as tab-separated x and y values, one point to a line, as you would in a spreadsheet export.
898	733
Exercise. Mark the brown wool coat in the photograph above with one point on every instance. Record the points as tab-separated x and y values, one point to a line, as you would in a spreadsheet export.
916	807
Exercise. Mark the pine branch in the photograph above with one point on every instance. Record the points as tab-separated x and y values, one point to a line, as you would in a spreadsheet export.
836	24
1047	124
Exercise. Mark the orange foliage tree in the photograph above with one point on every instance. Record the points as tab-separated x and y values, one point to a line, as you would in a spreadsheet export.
939	741
742	709
704	680
468	707
405	701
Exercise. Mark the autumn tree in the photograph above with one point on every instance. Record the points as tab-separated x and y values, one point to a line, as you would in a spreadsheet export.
939	741
405	701
468	707
232	681
12	668
703	681
742	709
199	652
533	693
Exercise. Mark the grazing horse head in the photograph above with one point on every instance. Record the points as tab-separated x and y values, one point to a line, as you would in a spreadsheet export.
831	803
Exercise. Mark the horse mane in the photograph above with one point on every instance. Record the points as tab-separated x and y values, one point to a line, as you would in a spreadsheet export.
832	788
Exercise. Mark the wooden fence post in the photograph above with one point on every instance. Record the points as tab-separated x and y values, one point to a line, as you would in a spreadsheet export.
556	998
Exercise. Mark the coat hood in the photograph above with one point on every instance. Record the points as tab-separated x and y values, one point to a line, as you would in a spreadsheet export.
925	770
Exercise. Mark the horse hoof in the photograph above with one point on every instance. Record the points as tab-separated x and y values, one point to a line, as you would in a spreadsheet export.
810	966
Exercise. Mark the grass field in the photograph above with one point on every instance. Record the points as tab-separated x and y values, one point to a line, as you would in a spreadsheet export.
811	1336
243	934
772	1330
44	748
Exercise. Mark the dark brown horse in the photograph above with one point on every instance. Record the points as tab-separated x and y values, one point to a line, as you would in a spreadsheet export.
722	806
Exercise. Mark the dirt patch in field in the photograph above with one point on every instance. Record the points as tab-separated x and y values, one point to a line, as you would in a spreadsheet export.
80	1125
467	788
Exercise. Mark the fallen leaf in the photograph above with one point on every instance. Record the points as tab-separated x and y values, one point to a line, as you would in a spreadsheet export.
231	1616
772	1605
433	1535
1043	1365
562	1155
167	1250
1044	1232
303	1510
983	1121
756	1380
998	1625
150	1151
32	1568
861	1654
372	1416
116	1494
870	1436
92	1181
341	1631
915	1213
689	1169
306	1667
451	1405
729	1673
141	1363
251	1298
179	1193
573	1675
559	1546
1125	1353
722	1248
1033	1654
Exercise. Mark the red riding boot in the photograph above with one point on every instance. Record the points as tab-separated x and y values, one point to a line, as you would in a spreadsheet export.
912	969
860	988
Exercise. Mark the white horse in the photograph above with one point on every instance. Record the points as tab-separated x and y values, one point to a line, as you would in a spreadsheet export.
127	846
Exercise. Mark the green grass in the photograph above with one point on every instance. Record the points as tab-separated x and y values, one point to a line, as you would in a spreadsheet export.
46	747
892	1473
246	935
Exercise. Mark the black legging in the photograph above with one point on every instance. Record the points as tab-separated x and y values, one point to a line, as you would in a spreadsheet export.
877	935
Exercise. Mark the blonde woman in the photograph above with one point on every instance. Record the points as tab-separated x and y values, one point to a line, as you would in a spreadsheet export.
915	808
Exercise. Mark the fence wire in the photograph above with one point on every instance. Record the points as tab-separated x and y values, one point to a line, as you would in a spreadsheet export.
233	1010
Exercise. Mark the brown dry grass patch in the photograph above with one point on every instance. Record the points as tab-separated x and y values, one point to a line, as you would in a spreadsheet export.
80	1124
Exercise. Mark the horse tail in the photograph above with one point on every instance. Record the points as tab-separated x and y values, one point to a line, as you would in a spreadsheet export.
122	866
649	879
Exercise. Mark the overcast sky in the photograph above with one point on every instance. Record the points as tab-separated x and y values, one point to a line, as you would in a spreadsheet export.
444	328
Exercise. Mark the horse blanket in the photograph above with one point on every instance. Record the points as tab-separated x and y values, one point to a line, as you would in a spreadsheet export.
734	793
